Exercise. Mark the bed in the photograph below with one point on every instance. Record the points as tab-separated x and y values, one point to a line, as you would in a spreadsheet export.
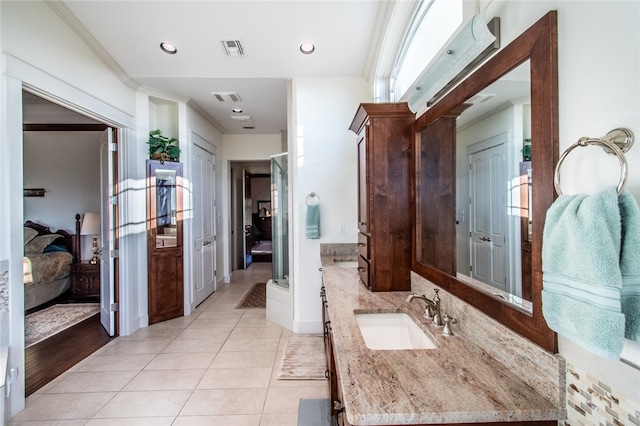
47	256
261	247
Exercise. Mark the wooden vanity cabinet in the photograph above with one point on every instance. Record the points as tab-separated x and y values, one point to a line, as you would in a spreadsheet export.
384	206
164	241
330	373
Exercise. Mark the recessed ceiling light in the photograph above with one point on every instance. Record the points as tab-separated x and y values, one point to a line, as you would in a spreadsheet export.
237	110
168	47
307	48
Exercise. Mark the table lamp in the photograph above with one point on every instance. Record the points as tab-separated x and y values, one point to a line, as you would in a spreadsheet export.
91	226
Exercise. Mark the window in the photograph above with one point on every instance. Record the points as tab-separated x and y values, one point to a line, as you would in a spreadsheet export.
432	25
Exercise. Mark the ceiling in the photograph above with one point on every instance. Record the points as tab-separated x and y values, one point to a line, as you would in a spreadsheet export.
128	35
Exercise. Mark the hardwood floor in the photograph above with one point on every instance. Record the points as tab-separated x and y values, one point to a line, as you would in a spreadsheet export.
48	359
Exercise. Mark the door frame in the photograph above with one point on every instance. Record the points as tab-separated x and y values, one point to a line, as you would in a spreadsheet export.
203	144
20	76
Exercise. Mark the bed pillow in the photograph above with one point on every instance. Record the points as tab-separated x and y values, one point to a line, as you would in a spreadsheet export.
29	234
38	244
55	246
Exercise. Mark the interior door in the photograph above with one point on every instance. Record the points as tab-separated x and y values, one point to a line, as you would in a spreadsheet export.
204	223
108	237
246	218
488	216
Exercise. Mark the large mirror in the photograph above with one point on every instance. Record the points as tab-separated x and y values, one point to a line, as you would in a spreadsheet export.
484	245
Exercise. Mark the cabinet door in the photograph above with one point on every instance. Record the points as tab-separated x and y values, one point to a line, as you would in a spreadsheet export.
166	286
363	193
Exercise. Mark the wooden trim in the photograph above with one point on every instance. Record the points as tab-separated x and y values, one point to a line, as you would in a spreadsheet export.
60	127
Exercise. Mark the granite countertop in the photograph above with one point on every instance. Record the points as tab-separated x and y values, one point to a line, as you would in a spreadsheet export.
455	383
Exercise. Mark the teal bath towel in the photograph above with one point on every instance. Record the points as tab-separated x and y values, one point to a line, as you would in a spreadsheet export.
581	271
630	264
313	222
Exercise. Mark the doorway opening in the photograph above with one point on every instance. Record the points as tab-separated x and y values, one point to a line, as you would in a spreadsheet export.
251	228
71	161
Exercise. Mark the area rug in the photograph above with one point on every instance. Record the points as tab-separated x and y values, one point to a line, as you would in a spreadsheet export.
54	319
303	358
256	297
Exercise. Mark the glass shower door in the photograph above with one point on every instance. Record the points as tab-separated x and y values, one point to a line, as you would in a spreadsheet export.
280	220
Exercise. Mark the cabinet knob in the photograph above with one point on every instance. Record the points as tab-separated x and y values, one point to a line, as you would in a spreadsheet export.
361	269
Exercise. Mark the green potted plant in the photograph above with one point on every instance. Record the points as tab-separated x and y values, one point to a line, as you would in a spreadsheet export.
526	150
162	147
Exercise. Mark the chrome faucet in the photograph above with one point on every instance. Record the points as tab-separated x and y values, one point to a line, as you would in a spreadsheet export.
432	307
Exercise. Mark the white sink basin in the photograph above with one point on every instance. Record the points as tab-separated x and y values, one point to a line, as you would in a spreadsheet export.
392	331
352	264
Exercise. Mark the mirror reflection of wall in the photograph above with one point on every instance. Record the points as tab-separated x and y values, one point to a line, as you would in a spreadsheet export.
166	208
491	135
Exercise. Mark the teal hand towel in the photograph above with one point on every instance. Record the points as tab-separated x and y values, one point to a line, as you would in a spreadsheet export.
630	264
581	275
313	222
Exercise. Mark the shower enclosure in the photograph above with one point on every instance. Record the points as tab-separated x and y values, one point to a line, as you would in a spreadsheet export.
280	220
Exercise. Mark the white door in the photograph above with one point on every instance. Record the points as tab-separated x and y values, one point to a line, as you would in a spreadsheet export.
108	155
488	216
204	223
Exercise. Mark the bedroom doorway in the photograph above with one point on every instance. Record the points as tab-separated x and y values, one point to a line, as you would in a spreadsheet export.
251	212
71	160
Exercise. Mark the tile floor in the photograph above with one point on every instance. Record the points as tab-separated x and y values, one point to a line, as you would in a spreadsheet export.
217	366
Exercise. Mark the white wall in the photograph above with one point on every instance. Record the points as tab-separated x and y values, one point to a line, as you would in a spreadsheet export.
323	160
35	34
64	164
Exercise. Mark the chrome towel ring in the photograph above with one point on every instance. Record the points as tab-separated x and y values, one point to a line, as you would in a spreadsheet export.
312	199
617	142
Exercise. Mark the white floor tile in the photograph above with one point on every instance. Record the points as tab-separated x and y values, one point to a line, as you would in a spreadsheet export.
144	404
211	402
221	378
181	361
65	406
133	421
237	420
165	380
93	381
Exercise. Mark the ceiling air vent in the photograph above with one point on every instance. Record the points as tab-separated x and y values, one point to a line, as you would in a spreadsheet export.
243	119
480	98
226	96
233	47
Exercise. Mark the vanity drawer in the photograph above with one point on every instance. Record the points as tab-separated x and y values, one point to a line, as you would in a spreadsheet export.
363	271
363	246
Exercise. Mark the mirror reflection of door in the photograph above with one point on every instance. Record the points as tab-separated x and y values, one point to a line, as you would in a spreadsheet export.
499	114
488	236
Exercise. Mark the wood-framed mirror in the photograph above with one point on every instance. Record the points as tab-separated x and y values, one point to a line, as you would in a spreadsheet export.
436	215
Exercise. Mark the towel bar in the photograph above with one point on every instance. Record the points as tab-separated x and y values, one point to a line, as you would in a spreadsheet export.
612	144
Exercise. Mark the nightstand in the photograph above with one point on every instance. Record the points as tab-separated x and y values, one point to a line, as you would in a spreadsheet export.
85	280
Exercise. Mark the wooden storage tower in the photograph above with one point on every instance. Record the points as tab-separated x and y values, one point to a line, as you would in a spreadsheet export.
384	205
